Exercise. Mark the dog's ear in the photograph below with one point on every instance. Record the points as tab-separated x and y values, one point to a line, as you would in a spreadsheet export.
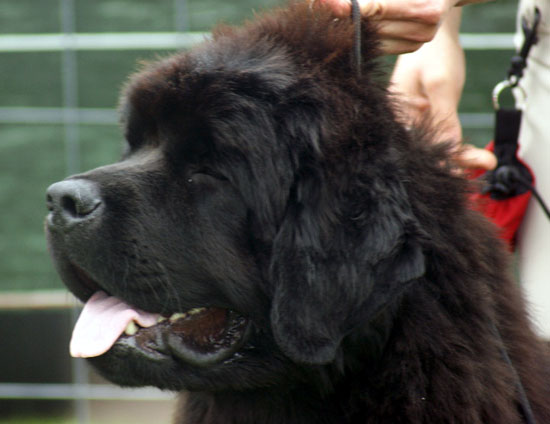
332	273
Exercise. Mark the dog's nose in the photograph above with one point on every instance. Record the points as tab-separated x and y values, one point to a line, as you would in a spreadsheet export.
72	201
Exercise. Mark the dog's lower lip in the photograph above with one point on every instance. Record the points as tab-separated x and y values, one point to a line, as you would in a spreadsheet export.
201	336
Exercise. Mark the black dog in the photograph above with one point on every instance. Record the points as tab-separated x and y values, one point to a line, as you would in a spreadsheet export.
307	258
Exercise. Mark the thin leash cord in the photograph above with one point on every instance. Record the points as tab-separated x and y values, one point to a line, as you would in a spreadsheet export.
537	195
543	205
524	401
356	17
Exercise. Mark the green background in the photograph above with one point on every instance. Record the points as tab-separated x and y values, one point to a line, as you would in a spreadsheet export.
32	156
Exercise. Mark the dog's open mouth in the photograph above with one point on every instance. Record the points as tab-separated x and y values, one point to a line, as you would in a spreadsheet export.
200	336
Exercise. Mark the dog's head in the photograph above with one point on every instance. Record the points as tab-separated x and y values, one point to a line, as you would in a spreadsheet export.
258	211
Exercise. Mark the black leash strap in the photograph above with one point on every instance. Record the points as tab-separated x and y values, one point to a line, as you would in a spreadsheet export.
511	177
507	179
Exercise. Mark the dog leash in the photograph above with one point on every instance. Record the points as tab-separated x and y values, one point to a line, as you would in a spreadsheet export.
356	17
524	403
512	177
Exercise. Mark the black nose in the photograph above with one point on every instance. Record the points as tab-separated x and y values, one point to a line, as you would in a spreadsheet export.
72	201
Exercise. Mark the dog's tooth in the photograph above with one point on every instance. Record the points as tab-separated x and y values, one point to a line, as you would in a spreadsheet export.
131	328
177	316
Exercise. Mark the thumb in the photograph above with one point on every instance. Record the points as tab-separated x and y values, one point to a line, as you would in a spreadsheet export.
471	157
342	8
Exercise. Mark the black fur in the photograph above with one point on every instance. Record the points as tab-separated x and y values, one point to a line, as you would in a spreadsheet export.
264	176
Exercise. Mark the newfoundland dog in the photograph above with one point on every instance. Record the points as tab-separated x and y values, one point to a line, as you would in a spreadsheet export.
275	245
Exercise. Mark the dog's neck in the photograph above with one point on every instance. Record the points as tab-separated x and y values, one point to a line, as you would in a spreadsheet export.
266	407
328	385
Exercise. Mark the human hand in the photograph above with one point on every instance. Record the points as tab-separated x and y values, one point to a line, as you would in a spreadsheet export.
429	82
429	85
403	25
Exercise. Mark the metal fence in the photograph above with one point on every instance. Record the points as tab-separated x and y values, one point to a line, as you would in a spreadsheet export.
71	116
68	43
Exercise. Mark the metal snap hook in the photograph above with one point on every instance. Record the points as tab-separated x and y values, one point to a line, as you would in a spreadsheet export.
520	94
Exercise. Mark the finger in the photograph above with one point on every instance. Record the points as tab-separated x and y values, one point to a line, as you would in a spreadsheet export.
416	32
375	8
393	46
428	12
472	157
398	37
369	8
340	8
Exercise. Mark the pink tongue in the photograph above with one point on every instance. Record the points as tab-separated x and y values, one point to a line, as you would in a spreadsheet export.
102	321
